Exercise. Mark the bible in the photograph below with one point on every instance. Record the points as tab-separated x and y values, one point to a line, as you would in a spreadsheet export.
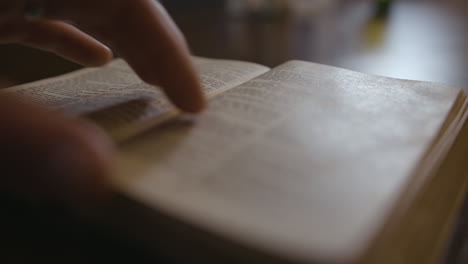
302	163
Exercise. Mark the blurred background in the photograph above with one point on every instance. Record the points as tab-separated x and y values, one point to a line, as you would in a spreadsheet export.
411	39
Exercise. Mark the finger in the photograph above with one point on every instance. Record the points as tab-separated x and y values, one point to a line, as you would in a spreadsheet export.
141	32
60	38
160	58
48	157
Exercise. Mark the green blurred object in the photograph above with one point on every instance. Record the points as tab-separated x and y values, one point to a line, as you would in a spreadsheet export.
383	7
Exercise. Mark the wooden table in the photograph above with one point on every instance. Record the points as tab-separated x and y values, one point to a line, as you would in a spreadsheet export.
422	40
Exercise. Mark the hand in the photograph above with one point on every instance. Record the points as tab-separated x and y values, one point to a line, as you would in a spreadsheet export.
140	31
49	156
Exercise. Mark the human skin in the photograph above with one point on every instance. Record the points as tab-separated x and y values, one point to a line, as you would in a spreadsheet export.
50	157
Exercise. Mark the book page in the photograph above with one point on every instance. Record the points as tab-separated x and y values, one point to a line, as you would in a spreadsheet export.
305	161
117	100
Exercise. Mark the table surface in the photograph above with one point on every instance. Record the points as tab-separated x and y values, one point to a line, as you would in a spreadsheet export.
421	40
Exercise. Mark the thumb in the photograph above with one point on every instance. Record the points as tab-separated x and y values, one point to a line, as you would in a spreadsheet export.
48	157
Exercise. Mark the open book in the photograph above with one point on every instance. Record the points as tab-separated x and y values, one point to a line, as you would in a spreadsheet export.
303	163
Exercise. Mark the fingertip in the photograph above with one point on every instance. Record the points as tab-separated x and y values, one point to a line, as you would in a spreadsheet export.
188	96
106	57
185	93
102	56
195	106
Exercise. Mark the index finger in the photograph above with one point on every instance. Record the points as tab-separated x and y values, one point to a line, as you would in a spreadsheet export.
142	33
